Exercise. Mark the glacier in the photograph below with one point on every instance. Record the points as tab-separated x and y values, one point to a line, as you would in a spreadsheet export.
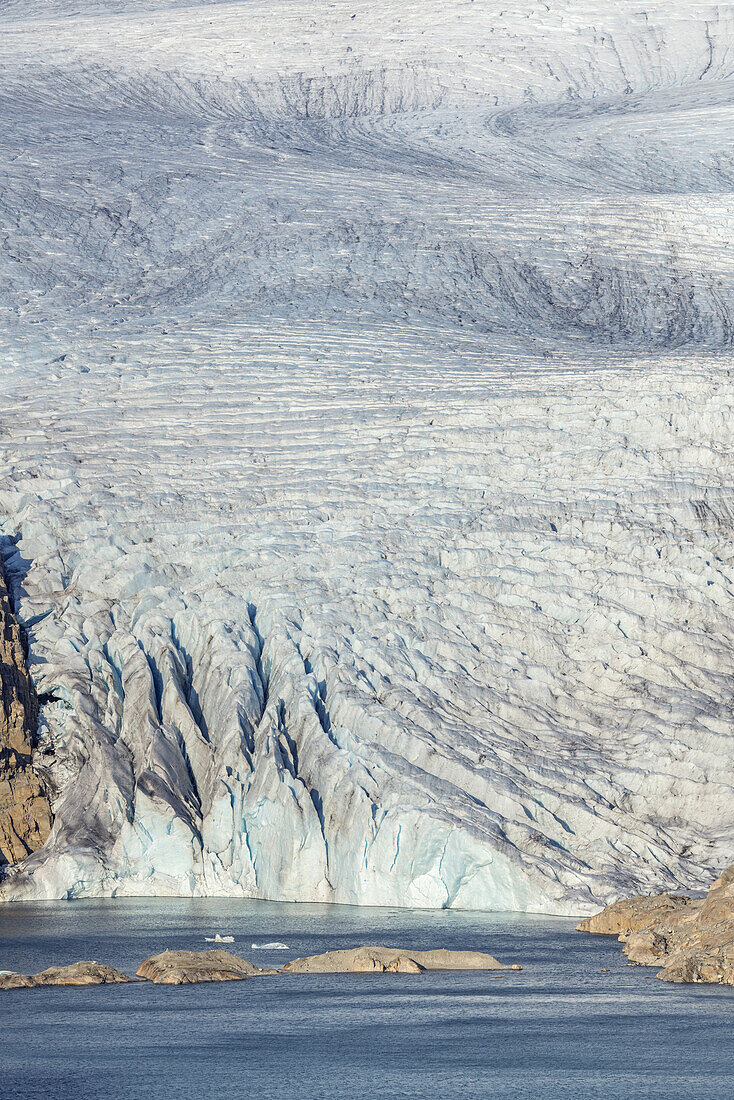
367	445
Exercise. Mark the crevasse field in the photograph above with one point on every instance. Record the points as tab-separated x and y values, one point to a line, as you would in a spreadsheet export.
366	446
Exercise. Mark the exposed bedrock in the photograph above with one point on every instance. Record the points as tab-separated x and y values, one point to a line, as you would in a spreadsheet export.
183	967
188	967
692	940
393	960
79	973
216	965
25	811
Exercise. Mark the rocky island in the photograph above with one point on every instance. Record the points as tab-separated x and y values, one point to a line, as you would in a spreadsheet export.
187	967
191	967
385	960
693	940
79	973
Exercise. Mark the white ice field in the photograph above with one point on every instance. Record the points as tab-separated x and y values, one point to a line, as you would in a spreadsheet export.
367	444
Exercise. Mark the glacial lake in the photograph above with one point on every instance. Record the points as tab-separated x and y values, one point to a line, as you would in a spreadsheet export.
560	1028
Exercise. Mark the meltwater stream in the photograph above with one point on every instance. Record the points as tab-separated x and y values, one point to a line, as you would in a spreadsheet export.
576	1022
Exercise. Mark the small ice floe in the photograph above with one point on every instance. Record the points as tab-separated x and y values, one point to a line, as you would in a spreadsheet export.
219	939
276	946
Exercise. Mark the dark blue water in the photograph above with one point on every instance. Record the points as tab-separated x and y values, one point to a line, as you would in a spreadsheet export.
560	1028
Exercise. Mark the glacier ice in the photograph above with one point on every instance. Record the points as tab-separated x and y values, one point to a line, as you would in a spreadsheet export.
366	446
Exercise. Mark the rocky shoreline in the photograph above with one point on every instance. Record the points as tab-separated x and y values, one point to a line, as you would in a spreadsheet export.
692	939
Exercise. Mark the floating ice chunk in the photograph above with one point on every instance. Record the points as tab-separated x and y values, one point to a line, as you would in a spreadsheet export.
219	939
270	946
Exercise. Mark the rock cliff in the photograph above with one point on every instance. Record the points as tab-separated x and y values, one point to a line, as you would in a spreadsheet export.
25	812
692	940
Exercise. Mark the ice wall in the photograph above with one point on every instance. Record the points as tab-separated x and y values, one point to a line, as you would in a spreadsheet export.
365	453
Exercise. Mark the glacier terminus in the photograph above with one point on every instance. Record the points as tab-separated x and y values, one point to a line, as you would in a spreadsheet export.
367	445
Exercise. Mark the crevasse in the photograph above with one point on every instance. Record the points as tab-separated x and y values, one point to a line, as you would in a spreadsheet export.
365	456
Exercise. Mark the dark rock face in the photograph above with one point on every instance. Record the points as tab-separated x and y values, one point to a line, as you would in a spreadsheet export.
692	940
25	811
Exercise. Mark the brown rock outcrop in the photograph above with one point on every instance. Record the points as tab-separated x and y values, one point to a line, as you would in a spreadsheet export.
184	967
693	941
635	914
79	973
25	811
386	960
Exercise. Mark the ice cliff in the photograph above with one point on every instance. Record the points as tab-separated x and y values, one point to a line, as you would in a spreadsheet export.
366	445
